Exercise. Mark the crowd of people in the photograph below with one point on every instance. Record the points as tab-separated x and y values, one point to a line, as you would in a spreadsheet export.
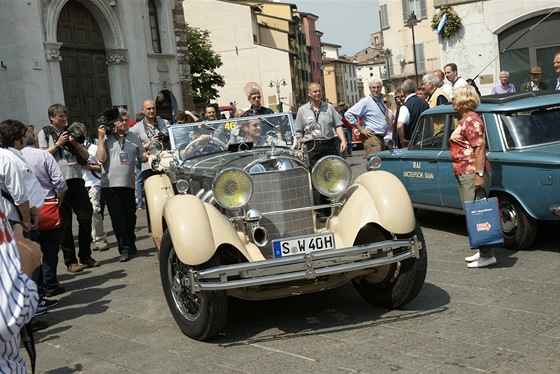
47	176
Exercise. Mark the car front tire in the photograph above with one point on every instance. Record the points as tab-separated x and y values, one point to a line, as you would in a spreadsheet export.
395	285
200	316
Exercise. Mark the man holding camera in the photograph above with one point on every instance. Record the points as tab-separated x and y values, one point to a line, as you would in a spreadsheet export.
151	128
64	143
117	150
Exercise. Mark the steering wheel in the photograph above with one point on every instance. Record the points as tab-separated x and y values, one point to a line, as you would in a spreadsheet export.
202	146
435	140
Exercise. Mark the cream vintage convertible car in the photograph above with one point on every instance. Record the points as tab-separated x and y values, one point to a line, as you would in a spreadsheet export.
232	214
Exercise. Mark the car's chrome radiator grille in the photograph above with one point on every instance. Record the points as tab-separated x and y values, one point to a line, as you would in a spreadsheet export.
280	190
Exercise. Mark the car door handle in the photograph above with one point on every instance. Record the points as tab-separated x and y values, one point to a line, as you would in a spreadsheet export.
432	160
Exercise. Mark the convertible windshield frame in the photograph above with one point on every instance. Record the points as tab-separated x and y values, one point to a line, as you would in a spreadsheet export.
277	129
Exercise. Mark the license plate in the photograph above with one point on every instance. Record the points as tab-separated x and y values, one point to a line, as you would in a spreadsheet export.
303	244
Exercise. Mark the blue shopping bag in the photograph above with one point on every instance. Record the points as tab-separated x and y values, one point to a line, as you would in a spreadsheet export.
484	223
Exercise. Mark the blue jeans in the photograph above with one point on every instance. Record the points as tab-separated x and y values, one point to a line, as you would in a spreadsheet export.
139	184
348	140
45	275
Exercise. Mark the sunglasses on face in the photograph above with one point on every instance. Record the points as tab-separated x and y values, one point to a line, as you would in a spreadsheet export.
256	125
385	101
255	98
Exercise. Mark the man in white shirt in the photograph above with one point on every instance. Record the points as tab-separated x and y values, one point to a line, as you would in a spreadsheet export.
453	77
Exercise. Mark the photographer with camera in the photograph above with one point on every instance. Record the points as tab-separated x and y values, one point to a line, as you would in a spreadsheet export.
151	128
117	149
64	144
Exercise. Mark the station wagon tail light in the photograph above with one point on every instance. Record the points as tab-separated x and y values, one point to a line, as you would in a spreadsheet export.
331	176
233	188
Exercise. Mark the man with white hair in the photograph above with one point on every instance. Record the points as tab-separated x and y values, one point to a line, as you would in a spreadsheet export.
504	86
373	113
436	96
254	97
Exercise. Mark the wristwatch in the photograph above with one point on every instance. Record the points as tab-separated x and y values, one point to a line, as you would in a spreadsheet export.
481	174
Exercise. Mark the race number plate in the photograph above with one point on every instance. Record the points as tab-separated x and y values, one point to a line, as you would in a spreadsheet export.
303	244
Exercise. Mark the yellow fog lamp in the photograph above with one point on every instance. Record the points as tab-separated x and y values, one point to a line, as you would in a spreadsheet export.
233	188
331	176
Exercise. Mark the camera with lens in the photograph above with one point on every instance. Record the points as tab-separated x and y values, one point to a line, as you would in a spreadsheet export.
78	137
108	118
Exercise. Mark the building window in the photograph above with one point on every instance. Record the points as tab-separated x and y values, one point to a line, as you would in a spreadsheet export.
154	27
420	60
416	6
384	15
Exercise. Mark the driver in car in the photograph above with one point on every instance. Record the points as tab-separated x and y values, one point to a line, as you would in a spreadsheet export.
251	131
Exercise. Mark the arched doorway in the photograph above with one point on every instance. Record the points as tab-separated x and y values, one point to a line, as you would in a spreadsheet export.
83	67
166	105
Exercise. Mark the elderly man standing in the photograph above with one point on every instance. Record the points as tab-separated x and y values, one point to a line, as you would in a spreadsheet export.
254	97
410	112
325	115
373	113
443	84
535	84
436	96
151	128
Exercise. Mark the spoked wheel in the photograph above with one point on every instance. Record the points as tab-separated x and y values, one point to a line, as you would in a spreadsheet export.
201	315
395	285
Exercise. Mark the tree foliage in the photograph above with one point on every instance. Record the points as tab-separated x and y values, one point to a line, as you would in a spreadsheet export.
203	62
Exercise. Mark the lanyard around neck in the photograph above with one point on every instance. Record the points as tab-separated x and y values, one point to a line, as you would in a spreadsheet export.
118	140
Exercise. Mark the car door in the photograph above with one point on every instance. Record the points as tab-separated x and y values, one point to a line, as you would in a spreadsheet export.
447	185
420	161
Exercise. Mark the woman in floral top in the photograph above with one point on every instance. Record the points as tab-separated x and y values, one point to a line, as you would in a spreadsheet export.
470	165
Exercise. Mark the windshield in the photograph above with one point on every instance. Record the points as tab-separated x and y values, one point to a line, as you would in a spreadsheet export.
526	129
194	139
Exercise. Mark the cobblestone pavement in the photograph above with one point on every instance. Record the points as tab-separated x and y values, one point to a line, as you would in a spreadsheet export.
504	319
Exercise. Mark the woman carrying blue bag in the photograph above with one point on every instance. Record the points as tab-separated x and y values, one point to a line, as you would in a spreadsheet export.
470	165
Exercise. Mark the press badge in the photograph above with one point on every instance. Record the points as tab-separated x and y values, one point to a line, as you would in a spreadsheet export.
124	158
70	158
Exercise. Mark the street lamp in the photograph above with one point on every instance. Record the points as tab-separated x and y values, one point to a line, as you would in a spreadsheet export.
388	54
277	83
411	22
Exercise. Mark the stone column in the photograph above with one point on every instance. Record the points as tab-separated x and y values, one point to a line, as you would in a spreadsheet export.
53	57
185	78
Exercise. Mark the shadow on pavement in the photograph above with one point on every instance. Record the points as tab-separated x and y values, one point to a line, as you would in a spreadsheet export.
333	311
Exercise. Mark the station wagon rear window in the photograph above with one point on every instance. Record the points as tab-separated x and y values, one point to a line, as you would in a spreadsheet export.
530	128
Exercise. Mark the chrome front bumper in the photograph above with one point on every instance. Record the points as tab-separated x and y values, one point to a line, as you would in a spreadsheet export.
302	267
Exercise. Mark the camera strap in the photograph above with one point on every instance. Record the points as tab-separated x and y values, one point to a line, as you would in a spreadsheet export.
49	132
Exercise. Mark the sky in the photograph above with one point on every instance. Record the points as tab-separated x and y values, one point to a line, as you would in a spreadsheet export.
346	23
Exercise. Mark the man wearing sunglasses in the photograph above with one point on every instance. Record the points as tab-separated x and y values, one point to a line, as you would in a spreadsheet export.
254	97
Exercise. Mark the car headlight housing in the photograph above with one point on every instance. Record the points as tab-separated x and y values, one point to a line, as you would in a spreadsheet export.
233	188
331	176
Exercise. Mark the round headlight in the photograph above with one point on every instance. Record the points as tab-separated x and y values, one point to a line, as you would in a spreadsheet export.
331	176
373	163
182	186
233	188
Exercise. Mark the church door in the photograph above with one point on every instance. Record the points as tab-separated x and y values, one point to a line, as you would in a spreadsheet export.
84	72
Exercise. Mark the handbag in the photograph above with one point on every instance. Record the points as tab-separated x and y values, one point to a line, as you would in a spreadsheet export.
484	224
49	218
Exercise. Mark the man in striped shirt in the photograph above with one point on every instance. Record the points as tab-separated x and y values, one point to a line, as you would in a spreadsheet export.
18	293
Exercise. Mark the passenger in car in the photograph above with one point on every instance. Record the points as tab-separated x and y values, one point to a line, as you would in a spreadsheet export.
470	165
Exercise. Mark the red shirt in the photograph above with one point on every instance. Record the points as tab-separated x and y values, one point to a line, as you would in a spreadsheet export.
468	134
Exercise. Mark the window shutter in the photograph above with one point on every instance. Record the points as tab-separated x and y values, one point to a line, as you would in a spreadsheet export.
405	10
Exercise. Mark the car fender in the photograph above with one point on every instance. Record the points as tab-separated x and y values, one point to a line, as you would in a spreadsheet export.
376	197
158	190
197	229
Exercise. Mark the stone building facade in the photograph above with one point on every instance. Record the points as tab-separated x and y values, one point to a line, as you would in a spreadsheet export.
92	55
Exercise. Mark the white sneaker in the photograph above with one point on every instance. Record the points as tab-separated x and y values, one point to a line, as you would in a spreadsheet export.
101	245
474	257
482	262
